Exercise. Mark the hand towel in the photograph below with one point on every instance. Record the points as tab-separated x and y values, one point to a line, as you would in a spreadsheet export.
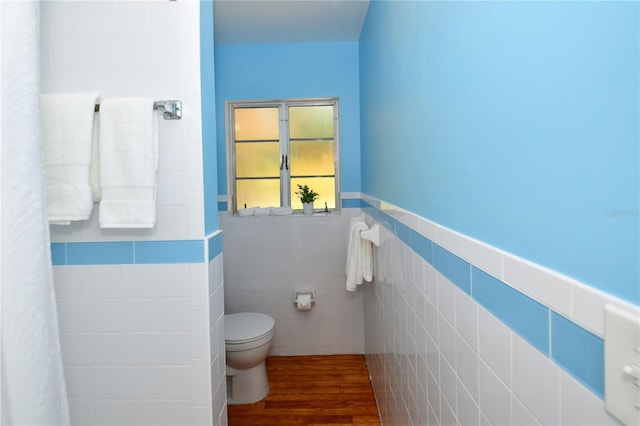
359	255
281	211
128	163
95	160
246	211
262	211
67	122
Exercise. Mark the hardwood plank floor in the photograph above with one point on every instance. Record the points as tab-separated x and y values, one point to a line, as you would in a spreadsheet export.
316	390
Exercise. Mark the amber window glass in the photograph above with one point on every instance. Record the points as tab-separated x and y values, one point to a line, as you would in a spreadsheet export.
274	146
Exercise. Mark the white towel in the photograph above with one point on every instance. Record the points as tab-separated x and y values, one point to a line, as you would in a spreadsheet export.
128	163
262	211
281	211
359	255
67	121
95	160
246	211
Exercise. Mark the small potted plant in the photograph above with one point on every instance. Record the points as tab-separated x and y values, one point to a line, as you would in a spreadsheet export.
307	197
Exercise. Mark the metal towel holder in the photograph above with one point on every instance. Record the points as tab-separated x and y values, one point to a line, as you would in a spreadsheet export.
373	235
171	109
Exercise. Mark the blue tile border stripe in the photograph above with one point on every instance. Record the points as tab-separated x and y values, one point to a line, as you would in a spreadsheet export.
579	352
215	246
58	253
186	251
576	350
351	203
127	252
451	266
100	253
522	314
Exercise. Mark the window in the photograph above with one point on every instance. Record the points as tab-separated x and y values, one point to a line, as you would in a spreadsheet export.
276	145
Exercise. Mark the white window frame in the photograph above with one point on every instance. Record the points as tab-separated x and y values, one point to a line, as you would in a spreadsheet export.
284	139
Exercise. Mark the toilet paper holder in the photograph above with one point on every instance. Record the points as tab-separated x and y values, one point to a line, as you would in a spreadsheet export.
311	293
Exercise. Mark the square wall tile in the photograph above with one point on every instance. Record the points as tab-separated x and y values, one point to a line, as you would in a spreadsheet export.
172	280
78	381
142	382
73	316
175	383
109	412
108	382
174	314
141	348
105	282
107	349
105	316
100	19
76	348
174	348
140	315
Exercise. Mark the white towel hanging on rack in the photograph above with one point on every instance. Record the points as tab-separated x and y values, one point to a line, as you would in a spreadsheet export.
67	120
359	266
128	163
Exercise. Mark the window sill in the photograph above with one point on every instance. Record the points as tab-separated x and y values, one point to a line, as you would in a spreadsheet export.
294	214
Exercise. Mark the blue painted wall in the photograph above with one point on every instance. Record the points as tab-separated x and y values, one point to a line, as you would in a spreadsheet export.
208	102
516	123
282	71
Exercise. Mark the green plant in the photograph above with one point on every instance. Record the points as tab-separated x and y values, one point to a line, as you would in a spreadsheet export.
306	194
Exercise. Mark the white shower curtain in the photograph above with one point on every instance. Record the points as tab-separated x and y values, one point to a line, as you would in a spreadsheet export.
33	389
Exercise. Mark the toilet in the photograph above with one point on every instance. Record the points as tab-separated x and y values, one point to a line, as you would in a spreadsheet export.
248	337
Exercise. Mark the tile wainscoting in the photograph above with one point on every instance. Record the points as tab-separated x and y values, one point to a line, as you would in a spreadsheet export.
458	332
143	343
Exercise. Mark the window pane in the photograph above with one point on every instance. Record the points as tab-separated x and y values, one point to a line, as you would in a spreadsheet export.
258	193
312	158
311	121
325	187
256	124
257	159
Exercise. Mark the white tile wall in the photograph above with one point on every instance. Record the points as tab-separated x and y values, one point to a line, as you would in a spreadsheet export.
437	357
124	49
217	363
127	352
273	255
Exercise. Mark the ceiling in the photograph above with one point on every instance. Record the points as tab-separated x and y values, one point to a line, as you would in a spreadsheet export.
287	21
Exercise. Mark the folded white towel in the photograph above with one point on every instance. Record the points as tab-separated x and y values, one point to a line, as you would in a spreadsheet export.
128	163
95	160
359	255
281	211
262	211
67	120
246	212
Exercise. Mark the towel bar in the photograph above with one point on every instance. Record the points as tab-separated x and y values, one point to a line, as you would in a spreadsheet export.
171	110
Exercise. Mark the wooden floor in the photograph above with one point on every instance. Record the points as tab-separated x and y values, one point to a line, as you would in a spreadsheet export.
318	390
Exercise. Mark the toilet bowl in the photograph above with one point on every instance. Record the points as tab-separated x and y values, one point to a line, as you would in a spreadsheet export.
248	337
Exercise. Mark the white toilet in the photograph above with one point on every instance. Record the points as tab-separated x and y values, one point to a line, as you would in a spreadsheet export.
248	338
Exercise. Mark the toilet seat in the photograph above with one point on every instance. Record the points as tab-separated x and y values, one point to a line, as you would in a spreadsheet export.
247	327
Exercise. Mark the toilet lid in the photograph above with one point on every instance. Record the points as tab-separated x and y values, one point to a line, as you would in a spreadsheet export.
246	326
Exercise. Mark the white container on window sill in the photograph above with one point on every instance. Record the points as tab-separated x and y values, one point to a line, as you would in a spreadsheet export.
307	208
